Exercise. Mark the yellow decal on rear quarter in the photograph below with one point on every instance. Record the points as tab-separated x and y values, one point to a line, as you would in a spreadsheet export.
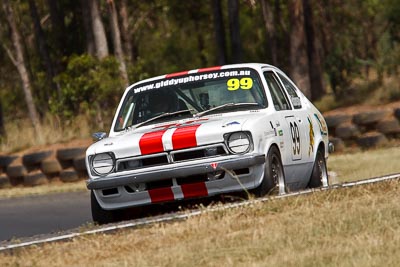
311	134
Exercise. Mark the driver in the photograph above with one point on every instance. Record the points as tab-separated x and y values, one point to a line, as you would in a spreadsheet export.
162	101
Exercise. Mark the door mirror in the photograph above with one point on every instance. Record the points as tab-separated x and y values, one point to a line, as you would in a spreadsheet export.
99	135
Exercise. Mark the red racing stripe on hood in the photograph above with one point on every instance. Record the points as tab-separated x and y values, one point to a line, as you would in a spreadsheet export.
185	137
151	142
194	190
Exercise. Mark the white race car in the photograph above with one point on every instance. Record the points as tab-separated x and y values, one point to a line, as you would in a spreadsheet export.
205	132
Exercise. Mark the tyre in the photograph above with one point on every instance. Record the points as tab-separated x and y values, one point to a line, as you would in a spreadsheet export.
5	161
34	179
274	177
369	117
80	164
319	176
371	139
69	176
388	126
33	160
347	131
70	153
50	166
16	171
4	182
100	215
334	120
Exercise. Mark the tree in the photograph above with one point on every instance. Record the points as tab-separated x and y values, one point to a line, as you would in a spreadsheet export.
99	34
298	48
313	52
234	29
43	50
116	37
19	62
269	20
126	36
2	128
87	25
219	30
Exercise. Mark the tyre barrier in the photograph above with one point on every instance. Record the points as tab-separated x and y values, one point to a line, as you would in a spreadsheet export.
363	126
38	168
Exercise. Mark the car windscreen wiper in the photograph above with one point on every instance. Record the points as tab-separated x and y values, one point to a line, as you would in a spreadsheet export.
164	115
226	106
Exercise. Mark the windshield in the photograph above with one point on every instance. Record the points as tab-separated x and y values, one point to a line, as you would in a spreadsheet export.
197	93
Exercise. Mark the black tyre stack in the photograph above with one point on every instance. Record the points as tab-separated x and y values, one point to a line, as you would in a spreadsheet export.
42	167
365	127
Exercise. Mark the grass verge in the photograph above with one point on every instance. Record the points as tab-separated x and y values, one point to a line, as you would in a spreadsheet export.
347	227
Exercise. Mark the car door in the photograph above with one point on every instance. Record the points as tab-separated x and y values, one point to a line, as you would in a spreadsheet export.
293	124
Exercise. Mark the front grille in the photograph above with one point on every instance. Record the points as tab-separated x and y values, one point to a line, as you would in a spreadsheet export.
199	153
141	162
171	157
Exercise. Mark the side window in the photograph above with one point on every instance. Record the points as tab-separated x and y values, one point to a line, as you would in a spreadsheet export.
278	97
294	98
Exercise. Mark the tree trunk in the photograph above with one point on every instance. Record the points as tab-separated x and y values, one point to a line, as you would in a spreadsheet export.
268	16
99	34
116	36
57	22
19	62
219	31
2	128
298	48
314	56
125	34
87	25
234	28
43	50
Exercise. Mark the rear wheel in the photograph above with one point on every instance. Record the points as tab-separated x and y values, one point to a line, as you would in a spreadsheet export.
273	182
319	175
100	215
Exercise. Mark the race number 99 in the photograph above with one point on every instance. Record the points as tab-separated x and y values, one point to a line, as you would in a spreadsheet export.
244	83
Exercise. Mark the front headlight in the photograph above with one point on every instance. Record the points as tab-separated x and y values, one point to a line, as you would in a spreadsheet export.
239	143
103	164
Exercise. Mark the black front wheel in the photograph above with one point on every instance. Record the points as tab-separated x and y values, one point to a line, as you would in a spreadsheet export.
273	182
100	215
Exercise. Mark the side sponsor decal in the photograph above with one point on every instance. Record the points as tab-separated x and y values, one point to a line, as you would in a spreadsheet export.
151	143
231	123
194	190
322	124
311	134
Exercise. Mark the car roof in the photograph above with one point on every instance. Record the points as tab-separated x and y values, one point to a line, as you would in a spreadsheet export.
214	68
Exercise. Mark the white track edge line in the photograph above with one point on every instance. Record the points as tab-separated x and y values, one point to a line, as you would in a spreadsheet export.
183	216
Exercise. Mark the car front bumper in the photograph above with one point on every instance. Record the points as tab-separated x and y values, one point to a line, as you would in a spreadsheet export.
230	182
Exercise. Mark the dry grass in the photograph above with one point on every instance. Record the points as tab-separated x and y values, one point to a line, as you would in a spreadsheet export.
347	227
365	164
50	188
21	134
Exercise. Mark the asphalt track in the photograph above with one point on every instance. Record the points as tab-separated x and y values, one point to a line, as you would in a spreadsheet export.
28	216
